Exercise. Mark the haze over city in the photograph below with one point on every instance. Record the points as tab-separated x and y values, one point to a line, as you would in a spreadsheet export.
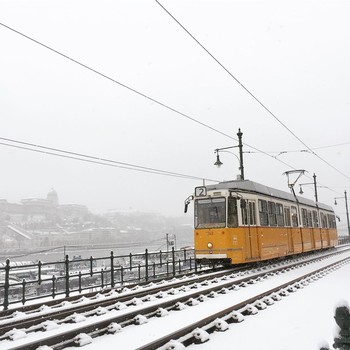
292	60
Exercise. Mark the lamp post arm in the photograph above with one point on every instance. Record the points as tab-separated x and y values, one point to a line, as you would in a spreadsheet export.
240	146
223	148
315	187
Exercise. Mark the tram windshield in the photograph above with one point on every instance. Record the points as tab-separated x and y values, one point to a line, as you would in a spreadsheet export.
210	213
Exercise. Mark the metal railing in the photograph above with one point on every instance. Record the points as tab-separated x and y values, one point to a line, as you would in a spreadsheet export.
22	283
343	240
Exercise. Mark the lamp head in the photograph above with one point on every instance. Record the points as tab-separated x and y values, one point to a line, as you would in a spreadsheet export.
218	162
301	190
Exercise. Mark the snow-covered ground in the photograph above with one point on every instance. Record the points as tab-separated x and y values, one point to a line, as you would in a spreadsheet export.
302	320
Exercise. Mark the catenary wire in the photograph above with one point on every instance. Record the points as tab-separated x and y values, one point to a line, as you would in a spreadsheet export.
99	159
116	81
250	93
110	163
141	94
107	162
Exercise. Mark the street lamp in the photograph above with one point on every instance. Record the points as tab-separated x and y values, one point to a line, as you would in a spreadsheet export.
346	207
310	183
218	162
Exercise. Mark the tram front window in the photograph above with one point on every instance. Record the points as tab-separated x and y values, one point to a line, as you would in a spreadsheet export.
210	213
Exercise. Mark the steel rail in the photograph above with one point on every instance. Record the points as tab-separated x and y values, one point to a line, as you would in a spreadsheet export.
185	335
101	327
34	321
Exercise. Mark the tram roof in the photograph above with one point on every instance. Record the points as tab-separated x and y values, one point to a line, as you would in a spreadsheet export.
254	187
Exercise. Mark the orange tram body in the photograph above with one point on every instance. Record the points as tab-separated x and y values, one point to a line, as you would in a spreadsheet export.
238	222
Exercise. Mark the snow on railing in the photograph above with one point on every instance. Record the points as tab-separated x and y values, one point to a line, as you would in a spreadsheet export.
24	282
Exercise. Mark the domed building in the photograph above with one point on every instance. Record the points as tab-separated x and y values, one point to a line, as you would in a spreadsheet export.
52	197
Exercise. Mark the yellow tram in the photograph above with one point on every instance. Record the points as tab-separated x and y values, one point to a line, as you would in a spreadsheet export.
243	221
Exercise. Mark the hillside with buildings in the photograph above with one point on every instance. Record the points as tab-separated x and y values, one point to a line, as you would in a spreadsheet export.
44	223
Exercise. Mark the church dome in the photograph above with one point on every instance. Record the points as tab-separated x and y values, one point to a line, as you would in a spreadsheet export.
52	197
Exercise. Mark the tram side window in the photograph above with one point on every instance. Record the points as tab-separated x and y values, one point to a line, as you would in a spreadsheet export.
244	211
334	221
294	216
309	218
279	214
287	216
331	221
304	217
315	218
324	220
252	213
272	213
232	220
248	212
263	213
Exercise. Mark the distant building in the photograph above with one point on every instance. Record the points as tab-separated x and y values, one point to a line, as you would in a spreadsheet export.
52	197
35	217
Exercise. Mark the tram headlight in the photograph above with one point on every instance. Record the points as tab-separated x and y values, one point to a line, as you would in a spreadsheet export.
210	245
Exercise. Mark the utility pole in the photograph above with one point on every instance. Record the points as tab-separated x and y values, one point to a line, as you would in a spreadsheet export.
346	207
315	186
347	211
218	162
240	145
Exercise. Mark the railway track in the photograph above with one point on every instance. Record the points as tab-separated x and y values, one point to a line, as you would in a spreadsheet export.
31	316
114	312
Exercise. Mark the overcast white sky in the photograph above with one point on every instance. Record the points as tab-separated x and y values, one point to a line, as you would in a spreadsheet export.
293	56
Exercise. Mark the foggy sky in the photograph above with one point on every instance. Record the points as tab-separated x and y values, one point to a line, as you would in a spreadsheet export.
293	56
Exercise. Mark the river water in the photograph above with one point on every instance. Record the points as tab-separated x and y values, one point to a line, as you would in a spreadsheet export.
59	253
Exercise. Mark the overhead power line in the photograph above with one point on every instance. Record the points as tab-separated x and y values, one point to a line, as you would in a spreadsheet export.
131	167
140	93
91	159
307	151
249	92
114	80
101	161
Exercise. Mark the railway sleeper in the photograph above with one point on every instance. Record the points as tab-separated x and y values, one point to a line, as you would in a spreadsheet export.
140	319
173	345
250	310
82	339
260	305
161	312
235	317
221	325
200	336
114	327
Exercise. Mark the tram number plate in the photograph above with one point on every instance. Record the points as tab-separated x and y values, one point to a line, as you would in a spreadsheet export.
200	191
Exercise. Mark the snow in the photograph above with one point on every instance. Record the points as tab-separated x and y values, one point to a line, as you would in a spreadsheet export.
82	339
302	319
16	334
114	327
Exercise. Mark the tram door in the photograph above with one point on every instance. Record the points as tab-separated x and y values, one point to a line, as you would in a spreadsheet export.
287	221
248	211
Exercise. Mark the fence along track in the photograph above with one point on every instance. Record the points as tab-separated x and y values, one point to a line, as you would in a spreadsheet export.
140	268
33	318
102	327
